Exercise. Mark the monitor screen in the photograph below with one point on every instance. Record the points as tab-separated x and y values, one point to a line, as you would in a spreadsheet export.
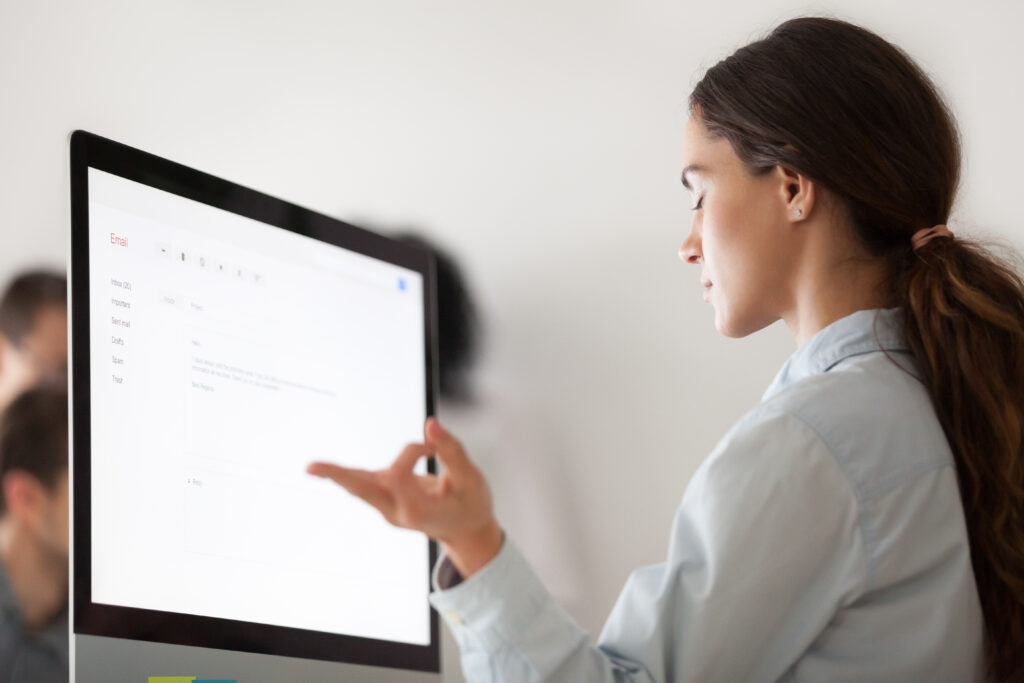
231	340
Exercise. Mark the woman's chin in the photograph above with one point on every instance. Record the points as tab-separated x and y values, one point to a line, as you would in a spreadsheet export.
726	324
727	331
723	324
736	327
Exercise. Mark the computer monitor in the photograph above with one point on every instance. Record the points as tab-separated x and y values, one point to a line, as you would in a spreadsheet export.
222	339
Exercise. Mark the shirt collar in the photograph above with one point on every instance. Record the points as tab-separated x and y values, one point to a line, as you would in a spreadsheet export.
865	331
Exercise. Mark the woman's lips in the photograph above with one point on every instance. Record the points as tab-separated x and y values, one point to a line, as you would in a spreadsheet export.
707	289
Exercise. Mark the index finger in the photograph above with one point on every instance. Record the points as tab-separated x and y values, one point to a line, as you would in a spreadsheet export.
360	483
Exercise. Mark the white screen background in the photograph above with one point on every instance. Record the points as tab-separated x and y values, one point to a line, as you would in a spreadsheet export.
227	354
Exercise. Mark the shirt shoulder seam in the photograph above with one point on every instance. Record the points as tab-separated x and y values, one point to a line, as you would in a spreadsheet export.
866	537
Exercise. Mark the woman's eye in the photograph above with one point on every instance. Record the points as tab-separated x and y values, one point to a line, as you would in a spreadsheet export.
700	203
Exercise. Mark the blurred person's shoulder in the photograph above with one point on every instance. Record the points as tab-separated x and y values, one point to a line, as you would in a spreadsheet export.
10	616
40	657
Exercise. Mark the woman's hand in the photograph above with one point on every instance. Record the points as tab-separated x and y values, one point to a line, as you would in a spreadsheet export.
454	508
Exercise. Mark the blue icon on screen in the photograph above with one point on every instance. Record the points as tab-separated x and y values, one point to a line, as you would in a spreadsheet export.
401	283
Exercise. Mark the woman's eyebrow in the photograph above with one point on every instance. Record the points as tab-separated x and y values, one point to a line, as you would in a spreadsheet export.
691	169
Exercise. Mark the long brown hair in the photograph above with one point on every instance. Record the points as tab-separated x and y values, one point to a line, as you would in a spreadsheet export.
846	108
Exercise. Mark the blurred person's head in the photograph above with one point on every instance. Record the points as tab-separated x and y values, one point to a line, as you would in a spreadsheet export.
457	324
33	333
34	469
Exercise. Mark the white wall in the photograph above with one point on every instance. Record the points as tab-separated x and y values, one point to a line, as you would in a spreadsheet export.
539	139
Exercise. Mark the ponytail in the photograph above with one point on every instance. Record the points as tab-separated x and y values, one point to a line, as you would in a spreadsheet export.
964	322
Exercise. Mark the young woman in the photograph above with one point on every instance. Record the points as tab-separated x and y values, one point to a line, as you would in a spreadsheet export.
865	522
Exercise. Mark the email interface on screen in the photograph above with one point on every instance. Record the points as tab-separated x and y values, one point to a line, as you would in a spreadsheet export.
227	354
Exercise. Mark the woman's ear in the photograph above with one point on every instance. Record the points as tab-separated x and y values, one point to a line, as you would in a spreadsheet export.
797	193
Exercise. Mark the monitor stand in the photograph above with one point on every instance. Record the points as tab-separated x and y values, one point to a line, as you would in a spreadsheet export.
97	659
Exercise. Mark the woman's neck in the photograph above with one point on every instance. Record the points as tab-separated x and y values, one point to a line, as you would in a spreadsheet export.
831	290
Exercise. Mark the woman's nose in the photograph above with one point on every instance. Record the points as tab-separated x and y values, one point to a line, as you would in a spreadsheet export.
689	251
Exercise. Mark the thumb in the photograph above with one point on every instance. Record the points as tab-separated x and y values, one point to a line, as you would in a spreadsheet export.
434	432
447	447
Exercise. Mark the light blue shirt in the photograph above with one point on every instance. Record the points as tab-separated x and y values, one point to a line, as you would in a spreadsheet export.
823	539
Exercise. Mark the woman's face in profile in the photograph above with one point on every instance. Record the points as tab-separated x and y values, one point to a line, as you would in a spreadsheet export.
739	234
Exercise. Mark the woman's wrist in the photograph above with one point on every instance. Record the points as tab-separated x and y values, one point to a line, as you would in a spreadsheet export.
470	554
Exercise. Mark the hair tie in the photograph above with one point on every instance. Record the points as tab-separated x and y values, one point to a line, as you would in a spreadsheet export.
926	235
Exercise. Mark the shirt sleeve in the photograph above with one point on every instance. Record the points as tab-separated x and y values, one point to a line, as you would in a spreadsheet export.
765	549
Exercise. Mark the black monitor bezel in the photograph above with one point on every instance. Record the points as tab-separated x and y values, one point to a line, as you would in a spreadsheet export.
92	151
